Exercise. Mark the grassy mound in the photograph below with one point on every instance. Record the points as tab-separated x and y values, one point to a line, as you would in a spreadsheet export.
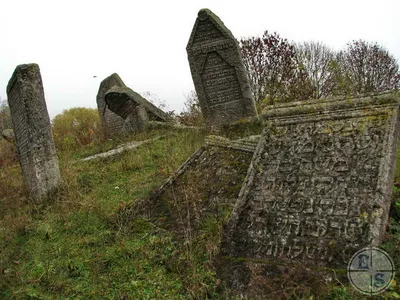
94	240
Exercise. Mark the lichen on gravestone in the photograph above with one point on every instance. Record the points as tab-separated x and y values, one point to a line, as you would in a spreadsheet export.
319	185
218	73
111	122
123	100
32	130
134	109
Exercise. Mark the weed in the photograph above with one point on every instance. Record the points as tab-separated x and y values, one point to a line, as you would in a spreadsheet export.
91	241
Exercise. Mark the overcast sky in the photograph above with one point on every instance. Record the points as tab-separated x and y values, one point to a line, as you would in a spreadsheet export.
145	41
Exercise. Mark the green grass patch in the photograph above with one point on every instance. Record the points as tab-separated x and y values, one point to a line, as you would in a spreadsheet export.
71	247
66	248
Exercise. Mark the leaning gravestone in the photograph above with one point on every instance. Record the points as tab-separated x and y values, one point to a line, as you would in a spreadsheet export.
32	129
123	100
137	121
319	185
218	72
134	109
111	122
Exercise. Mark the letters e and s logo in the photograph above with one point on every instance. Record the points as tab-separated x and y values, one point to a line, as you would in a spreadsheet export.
371	271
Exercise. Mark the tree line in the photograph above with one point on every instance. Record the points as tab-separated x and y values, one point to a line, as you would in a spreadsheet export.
280	71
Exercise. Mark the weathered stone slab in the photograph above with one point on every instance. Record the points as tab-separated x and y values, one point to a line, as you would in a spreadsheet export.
218	72
120	149
111	122
32	129
319	185
248	143
123	101
137	121
211	178
8	135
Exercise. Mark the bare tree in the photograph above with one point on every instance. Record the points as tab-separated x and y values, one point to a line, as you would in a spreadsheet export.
273	68
369	67
191	115
160	103
318	61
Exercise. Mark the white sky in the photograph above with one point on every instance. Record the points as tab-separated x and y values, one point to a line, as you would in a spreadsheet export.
145	41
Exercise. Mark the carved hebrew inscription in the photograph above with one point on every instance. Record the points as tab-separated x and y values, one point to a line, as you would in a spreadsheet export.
207	32
219	80
32	129
218	72
20	122
314	191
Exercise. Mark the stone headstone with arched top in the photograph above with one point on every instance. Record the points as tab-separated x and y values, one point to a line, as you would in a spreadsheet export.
218	73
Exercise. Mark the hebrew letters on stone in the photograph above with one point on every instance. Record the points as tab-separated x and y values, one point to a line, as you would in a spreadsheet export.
319	186
218	72
32	129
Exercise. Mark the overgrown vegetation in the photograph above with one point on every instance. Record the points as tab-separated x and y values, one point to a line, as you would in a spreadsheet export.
191	115
5	117
68	248
280	71
81	245
88	242
274	69
76	127
8	152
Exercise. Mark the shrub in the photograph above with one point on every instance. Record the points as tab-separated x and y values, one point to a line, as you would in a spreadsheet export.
191	116
5	117
8	153
76	127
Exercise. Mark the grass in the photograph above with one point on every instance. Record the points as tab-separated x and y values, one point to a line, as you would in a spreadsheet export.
72	247
67	248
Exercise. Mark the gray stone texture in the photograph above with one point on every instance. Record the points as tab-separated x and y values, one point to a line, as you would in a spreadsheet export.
8	135
218	73
123	101
319	185
137	121
32	129
111	122
248	143
120	149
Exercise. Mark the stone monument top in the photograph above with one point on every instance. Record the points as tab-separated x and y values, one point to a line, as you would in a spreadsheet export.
218	73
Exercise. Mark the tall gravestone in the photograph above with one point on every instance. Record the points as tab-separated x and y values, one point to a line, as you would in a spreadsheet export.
218	73
32	129
111	122
319	185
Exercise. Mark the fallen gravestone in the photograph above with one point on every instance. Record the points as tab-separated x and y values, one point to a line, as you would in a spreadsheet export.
318	188
111	122
120	149
210	179
218	72
133	108
32	129
8	135
137	121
